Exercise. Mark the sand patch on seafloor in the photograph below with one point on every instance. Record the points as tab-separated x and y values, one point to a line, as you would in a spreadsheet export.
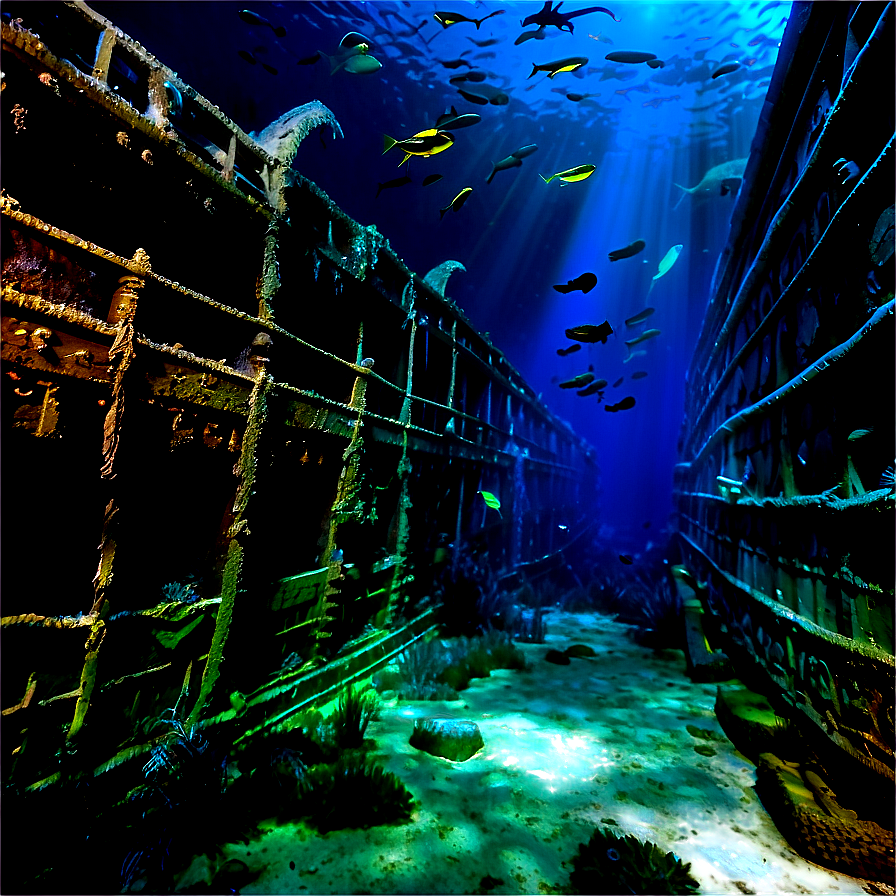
566	747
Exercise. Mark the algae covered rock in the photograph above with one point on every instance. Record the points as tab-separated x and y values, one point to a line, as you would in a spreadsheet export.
454	739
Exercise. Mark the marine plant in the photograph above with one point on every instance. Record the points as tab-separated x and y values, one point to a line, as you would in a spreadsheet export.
420	666
184	781
612	863
354	711
353	792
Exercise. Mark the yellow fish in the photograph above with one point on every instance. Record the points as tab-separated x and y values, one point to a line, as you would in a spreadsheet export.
571	175
423	143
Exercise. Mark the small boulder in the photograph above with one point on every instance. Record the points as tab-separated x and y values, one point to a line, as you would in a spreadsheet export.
554	656
454	739
579	650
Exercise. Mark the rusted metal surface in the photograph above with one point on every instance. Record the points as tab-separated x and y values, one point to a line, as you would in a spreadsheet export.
785	493
248	475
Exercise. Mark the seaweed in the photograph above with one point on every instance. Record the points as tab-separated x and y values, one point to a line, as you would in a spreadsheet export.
420	666
613	863
354	712
353	792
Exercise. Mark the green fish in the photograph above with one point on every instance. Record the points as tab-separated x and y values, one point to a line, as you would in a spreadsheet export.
491	501
446	19
571	175
668	260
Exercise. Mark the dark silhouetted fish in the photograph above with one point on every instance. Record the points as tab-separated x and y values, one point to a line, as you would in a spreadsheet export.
586	282
624	405
629	56
625	558
245	54
454	120
640	317
643	337
431	179
269	68
569	349
389	184
524	151
309	60
726	69
253	18
590	332
639	375
628	251
551	15
577	381
504	165
594	387
656	63
619	382
473	98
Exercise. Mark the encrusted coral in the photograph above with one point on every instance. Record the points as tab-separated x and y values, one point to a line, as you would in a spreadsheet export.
281	138
610	863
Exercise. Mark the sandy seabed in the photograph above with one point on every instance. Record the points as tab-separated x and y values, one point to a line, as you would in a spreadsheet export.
567	748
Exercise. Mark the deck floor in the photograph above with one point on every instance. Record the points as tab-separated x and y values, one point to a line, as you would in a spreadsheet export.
565	748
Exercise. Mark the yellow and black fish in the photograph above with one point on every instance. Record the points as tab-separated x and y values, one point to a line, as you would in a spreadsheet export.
571	175
446	19
457	202
423	143
570	64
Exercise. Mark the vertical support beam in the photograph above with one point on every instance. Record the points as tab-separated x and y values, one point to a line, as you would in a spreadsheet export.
270	272
405	416
403	530
233	563
451	427
104	55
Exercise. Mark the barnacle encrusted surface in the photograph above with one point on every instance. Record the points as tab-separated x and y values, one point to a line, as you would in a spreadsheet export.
282	138
437	278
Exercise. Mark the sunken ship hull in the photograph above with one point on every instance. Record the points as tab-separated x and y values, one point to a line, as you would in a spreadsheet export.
785	489
242	440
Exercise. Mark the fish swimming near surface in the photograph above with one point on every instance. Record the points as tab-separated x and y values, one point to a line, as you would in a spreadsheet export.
389	184
639	374
642	337
726	69
431	179
586	282
656	63
253	18
624	405
619	382
640	317
504	165
711	183
457	202
629	56
455	120
551	15
569	349
455	63
571	175
590	332
577	381
627	251
447	19
471	76
578	97
570	64
538	34
423	143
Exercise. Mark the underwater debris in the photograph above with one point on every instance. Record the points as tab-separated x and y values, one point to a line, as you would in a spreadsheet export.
613	863
437	278
281	138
